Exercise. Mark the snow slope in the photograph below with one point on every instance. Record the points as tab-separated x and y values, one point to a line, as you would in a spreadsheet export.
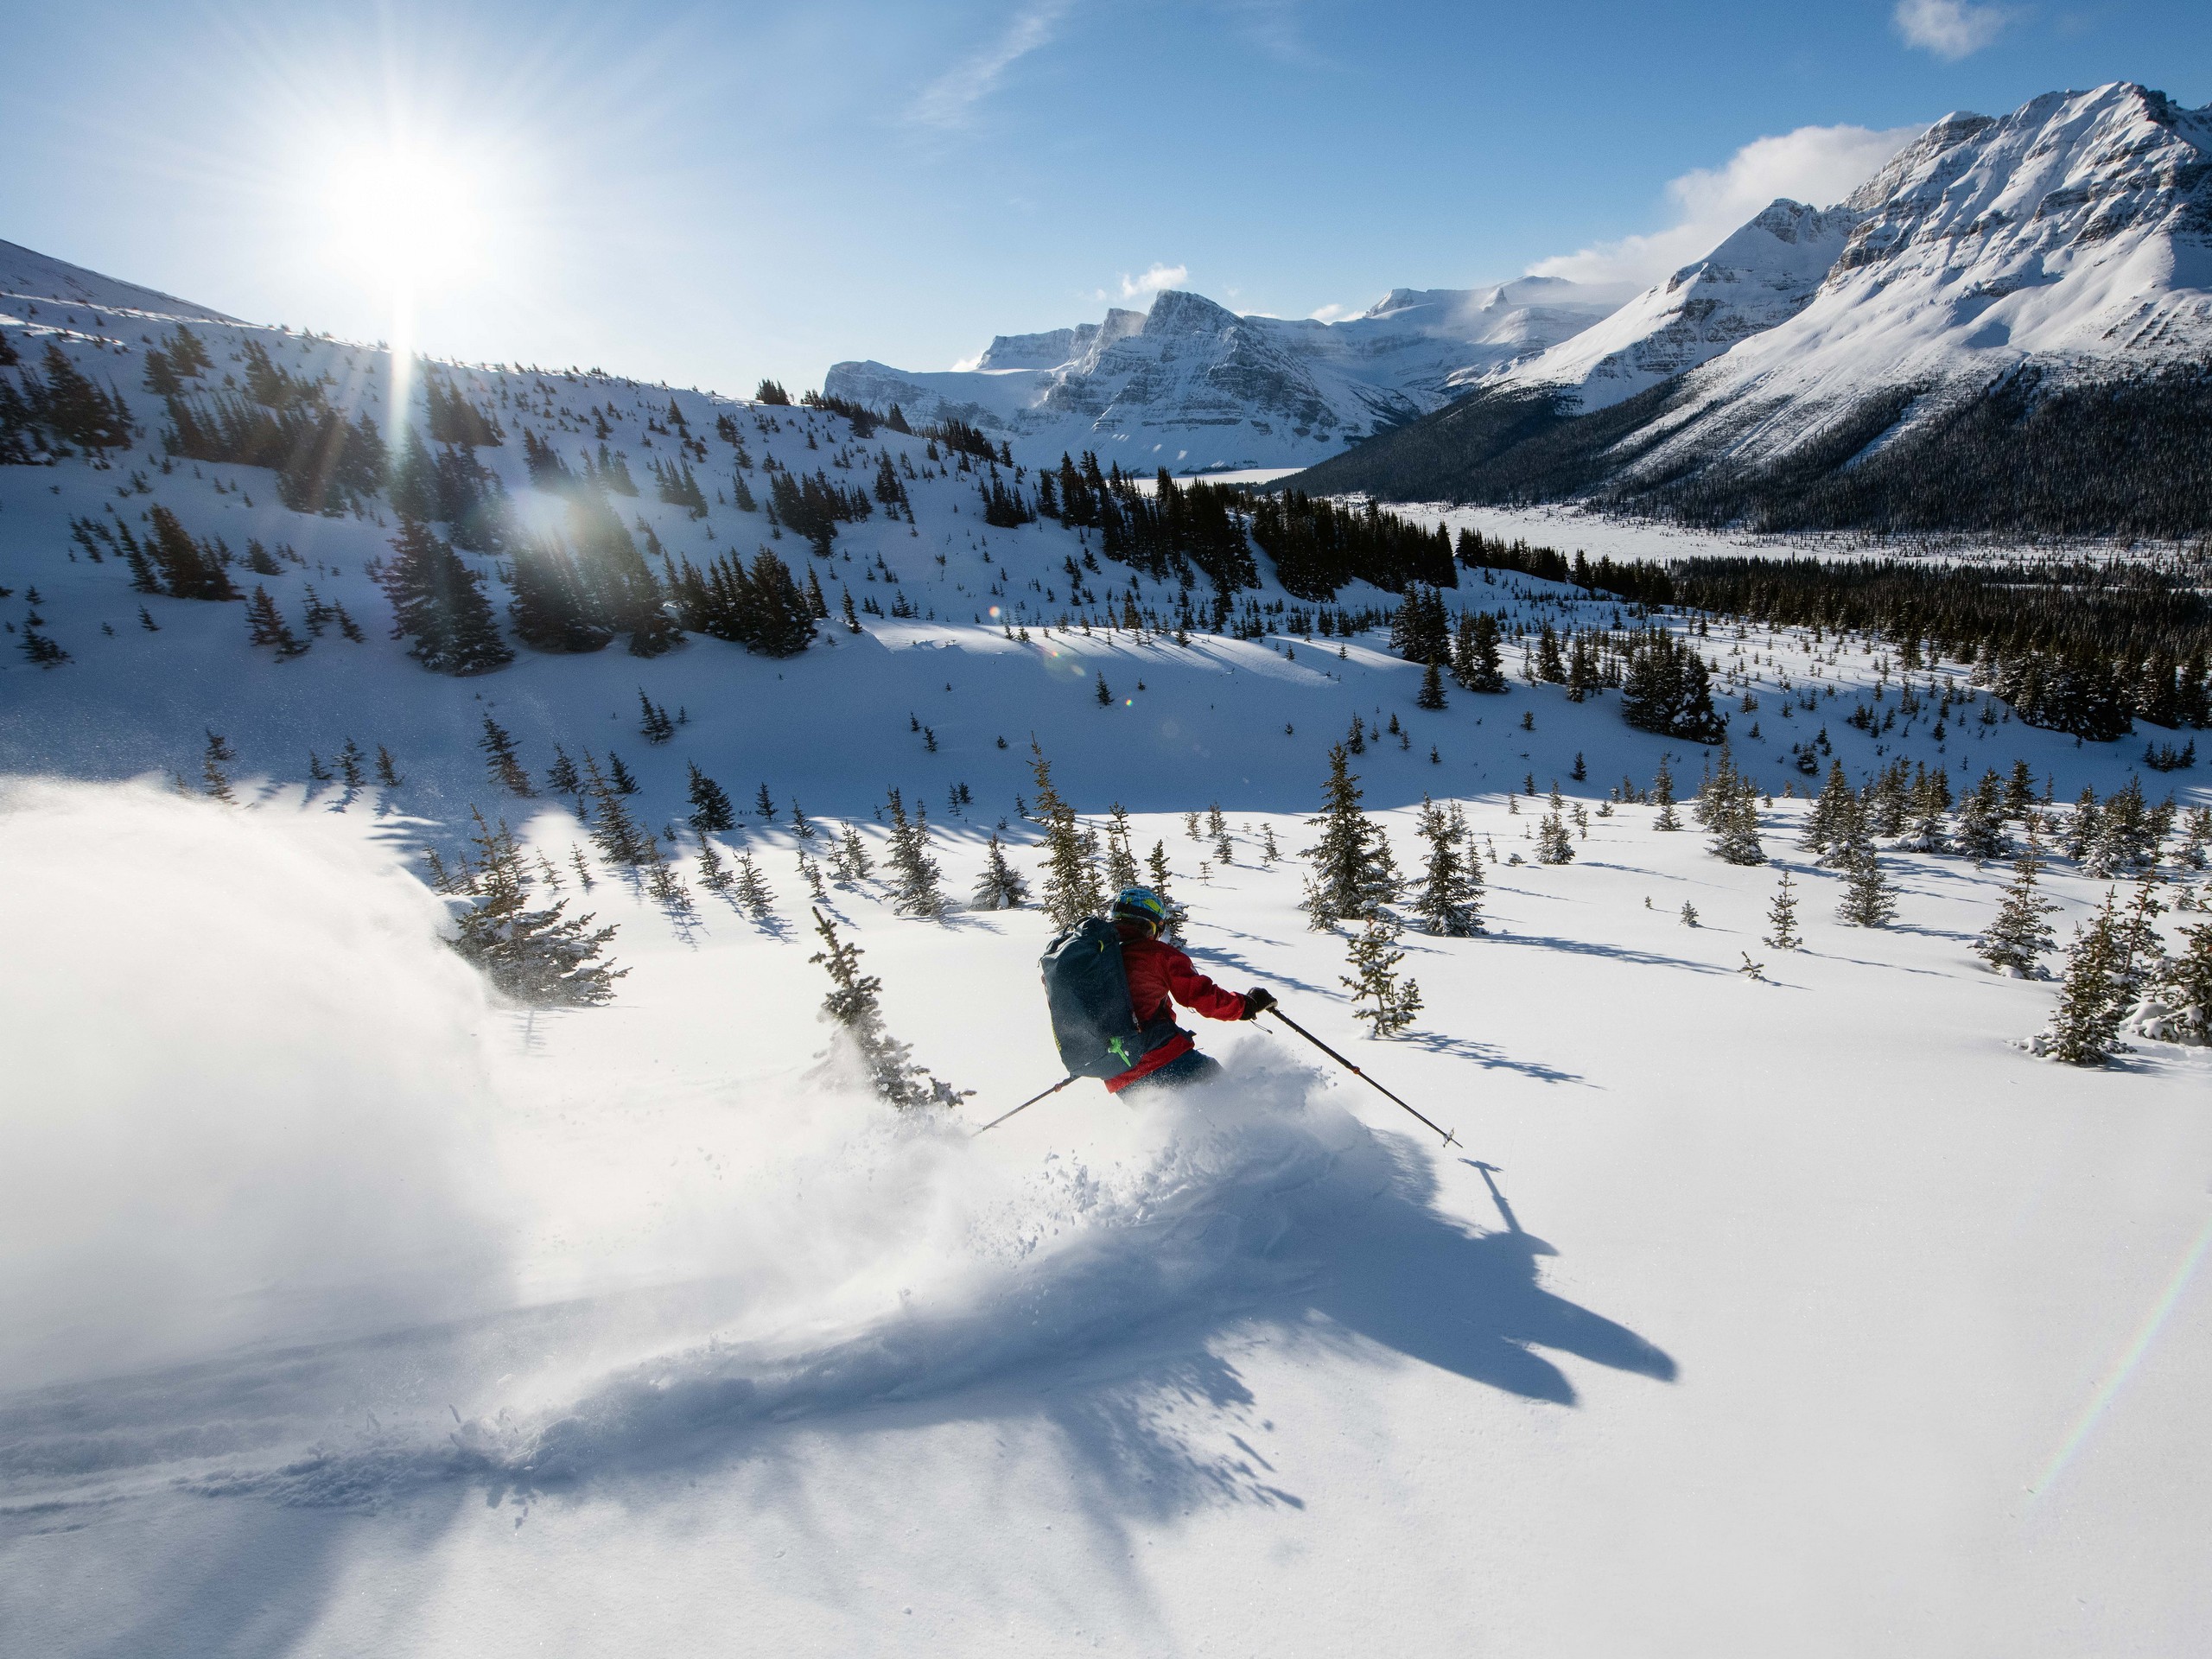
27	278
1194	387
349	1313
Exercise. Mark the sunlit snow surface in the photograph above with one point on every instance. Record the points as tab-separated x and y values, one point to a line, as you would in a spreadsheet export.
345	1313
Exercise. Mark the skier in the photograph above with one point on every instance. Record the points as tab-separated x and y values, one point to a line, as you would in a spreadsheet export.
1159	975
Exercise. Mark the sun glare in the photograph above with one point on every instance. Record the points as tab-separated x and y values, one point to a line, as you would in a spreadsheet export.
409	215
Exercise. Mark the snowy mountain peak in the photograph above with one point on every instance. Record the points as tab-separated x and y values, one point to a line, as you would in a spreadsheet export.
1194	386
1761	274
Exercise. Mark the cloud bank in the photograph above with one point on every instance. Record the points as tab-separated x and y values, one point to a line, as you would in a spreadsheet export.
1821	165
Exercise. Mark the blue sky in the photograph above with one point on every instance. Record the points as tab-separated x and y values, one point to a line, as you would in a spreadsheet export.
712	194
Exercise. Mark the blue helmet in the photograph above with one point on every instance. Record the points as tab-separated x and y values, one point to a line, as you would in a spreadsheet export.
1141	904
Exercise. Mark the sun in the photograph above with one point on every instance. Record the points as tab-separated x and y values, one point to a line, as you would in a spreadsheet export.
408	215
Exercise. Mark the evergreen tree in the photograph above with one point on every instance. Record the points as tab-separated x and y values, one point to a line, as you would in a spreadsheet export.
2018	938
657	727
1834	822
1353	874
1553	844
801	829
1001	887
1869	899
1156	867
1270	852
1475	663
1666	690
2186	986
613	831
850	861
1662	797
439	603
1224	850
1071	890
860	1040
1379	996
714	874
501	760
352	765
750	890
387	769
540	957
187	568
1431	689
217	755
764	804
1449	899
914	873
1782	917
1121	855
711	812
265	627
619	775
1981	820
1729	807
2084	1028
562	777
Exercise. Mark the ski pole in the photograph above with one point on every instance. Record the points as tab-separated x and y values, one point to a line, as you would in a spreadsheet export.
1450	1139
1024	1105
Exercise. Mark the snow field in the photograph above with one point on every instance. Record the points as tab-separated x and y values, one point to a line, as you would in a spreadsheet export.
349	1314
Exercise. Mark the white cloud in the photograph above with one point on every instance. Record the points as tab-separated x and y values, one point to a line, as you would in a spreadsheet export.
950	101
1949	28
1330	312
1821	165
1155	278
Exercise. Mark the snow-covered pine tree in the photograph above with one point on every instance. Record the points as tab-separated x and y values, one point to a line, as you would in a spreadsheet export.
1731	812
2084	1028
2018	938
1980	820
667	888
1353	874
801	829
438	602
1270	854
2185	987
1070	888
1869	898
914	873
860	1040
501	760
1225	850
1662	797
1834	821
541	957
712	812
1782	917
1475	662
1000	886
1449	899
656	726
1553	844
1379	996
387	769
764	805
562	777
352	765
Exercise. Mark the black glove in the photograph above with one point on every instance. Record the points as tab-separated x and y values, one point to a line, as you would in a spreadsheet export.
1257	1001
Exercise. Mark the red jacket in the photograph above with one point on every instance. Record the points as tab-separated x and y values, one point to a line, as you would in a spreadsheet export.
1160	975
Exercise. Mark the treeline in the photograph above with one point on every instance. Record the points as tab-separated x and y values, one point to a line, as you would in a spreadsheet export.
1319	545
2032	455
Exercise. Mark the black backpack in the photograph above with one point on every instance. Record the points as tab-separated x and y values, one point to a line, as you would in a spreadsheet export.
1089	995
